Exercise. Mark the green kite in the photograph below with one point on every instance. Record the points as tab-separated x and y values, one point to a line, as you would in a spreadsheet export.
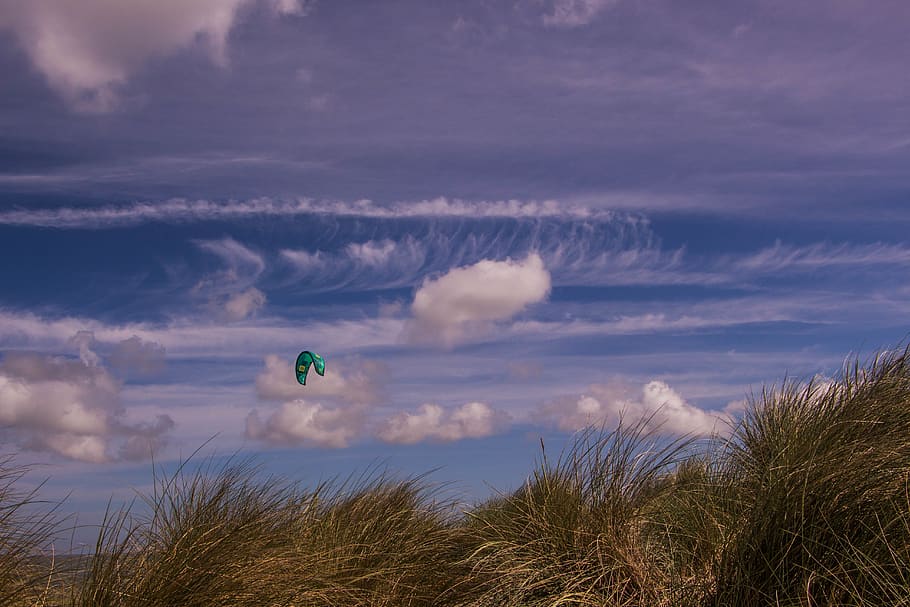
304	360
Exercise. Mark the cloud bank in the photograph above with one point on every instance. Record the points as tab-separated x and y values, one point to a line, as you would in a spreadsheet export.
72	408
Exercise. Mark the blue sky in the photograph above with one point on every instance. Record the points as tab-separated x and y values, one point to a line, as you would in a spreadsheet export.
495	220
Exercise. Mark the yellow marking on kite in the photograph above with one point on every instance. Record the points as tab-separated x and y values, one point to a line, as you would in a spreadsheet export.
301	368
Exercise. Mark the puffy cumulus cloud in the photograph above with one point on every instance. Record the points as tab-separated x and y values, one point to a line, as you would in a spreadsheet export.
349	388
135	356
357	384
71	408
657	402
468	299
433	422
244	304
88	49
575	13
300	422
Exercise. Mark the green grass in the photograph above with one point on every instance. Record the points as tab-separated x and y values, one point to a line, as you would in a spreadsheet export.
806	502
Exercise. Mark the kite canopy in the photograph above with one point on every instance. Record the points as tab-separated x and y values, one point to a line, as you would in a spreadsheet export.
304	360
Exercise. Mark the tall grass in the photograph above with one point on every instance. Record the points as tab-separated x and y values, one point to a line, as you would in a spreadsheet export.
219	537
573	533
818	477
27	527
806	502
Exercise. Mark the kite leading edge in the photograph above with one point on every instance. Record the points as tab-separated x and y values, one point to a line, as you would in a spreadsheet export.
304	360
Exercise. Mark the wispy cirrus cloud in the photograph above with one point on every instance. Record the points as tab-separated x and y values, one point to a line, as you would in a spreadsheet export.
189	337
244	304
367	264
243	264
181	211
783	257
580	244
618	249
230	291
200	338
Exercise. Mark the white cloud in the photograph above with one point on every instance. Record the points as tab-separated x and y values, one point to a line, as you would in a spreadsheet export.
781	257
179	210
244	264
371	252
302	422
201	339
433	422
607	404
442	207
87	50
619	249
306	261
468	299
357	385
244	304
71	408
368	264
575	13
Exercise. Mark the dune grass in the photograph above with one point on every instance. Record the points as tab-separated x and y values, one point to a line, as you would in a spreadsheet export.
218	537
805	502
28	570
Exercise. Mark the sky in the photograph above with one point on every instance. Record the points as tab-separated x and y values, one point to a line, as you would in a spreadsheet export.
497	221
